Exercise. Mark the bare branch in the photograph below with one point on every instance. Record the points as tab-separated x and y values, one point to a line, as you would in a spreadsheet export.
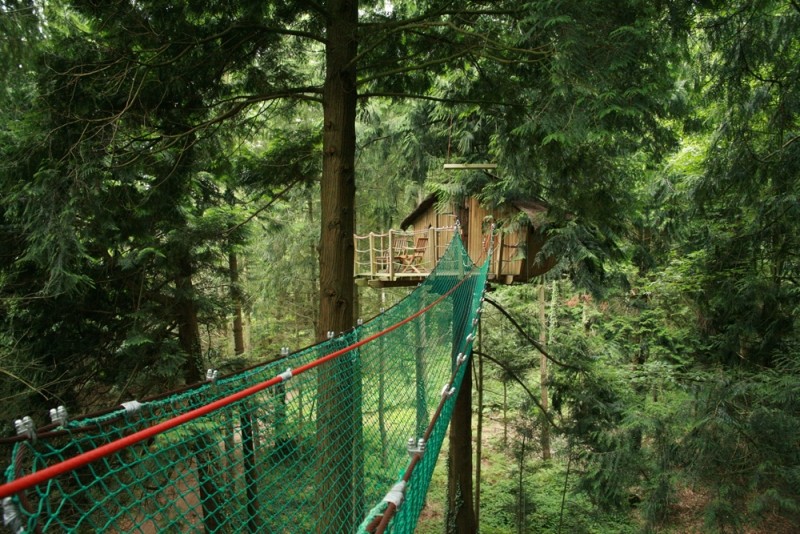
412	96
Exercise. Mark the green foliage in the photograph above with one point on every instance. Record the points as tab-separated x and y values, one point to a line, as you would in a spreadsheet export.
143	142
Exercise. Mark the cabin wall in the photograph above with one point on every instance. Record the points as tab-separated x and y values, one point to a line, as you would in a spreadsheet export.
536	241
509	260
437	241
506	264
514	251
474	230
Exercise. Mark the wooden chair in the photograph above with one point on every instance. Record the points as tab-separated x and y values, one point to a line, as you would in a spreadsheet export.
411	260
419	249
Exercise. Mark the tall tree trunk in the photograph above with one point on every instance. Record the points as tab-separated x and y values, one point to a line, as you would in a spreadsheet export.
188	326
313	294
543	376
521	501
338	175
336	412
460	517
479	437
236	296
420	342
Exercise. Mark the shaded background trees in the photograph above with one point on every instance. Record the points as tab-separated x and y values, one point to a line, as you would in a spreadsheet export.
146	146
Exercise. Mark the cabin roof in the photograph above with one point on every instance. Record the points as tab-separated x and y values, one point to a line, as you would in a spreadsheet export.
534	209
419	210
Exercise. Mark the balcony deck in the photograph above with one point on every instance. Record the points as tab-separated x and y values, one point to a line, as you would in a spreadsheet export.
397	257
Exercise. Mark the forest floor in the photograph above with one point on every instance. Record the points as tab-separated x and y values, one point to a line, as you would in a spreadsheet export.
543	489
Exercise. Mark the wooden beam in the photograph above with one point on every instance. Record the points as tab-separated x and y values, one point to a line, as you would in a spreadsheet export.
469	166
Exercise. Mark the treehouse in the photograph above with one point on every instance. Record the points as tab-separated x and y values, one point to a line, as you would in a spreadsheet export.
405	256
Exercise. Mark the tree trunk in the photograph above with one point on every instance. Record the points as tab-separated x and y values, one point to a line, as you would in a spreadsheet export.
546	454
338	176
479	437
313	293
336	414
460	511
505	413
521	501
188	326
236	296
420	341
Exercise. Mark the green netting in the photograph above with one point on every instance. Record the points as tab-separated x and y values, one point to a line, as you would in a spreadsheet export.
318	452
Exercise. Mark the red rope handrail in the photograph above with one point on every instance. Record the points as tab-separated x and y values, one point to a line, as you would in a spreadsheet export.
76	462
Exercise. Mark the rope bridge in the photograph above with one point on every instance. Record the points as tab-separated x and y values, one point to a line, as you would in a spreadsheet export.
339	437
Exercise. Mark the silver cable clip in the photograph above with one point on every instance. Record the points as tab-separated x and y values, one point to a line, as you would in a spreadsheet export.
132	406
25	427
211	375
396	494
59	415
11	517
286	375
415	447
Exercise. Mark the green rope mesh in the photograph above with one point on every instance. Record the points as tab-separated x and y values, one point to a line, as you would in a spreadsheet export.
315	453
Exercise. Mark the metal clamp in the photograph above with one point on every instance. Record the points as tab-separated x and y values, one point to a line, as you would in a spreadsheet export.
132	406
286	375
284	351
25	427
447	391
11	517
417	447
331	334
59	415
461	358
396	494
211	375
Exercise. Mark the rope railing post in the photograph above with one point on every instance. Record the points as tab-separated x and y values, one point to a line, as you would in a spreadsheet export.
372	261
390	255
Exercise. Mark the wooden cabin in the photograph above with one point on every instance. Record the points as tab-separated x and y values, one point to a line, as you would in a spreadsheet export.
405	256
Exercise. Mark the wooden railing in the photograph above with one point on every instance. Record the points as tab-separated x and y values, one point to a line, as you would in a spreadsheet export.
399	254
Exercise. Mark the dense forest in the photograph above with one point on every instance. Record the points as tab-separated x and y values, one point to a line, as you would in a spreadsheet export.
181	182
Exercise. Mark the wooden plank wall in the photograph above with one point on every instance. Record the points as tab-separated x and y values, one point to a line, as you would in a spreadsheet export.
506	243
437	241
476	222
